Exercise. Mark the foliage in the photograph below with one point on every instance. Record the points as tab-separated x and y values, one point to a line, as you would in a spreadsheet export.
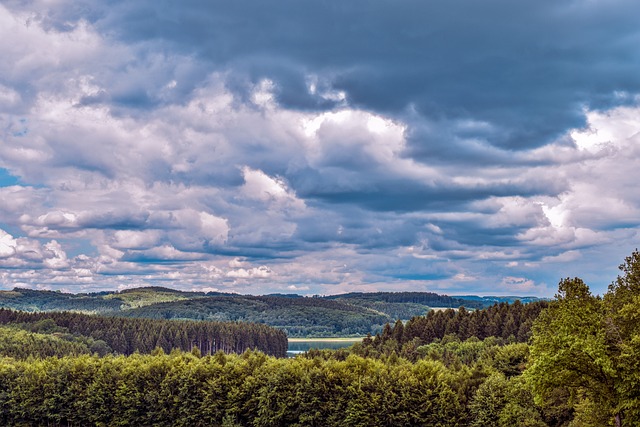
126	336
139	297
181	389
503	402
507	321
587	349
21	344
578	366
301	317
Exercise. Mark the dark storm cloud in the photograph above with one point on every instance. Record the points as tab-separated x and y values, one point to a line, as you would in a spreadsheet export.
527	68
389	193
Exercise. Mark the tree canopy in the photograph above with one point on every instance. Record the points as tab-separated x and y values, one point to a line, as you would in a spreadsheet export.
586	348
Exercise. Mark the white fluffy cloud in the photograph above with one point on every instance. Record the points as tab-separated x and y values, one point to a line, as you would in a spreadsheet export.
7	244
141	162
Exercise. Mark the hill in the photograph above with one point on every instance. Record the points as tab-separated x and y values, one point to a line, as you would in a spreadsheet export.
297	316
334	315
36	300
99	302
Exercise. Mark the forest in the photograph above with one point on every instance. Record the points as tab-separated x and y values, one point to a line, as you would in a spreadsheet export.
354	314
570	362
299	317
126	336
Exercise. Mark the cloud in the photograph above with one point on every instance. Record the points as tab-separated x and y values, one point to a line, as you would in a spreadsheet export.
7	244
518	285
55	256
512	66
328	148
261	272
135	239
24	253
274	192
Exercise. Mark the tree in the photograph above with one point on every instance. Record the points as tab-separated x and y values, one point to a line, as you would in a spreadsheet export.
569	348
622	326
590	347
503	402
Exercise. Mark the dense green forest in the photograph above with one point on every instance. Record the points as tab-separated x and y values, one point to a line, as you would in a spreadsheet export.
571	362
508	321
182	389
405	305
21	344
125	336
299	317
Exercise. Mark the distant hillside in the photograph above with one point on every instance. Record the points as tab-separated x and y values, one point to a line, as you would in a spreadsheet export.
488	301
31	300
425	298
334	315
140	297
430	299
297	316
101	302
403	305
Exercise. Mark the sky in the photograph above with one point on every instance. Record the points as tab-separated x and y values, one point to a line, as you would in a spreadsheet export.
318	147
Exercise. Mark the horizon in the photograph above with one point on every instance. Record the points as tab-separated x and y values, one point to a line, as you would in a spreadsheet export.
117	291
316	148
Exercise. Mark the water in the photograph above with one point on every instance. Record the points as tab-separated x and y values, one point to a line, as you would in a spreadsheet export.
297	346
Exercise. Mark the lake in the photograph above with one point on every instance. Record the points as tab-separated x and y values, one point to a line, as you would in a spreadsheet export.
301	345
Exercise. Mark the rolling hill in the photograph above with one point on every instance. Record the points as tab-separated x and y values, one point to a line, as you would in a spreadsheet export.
334	315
